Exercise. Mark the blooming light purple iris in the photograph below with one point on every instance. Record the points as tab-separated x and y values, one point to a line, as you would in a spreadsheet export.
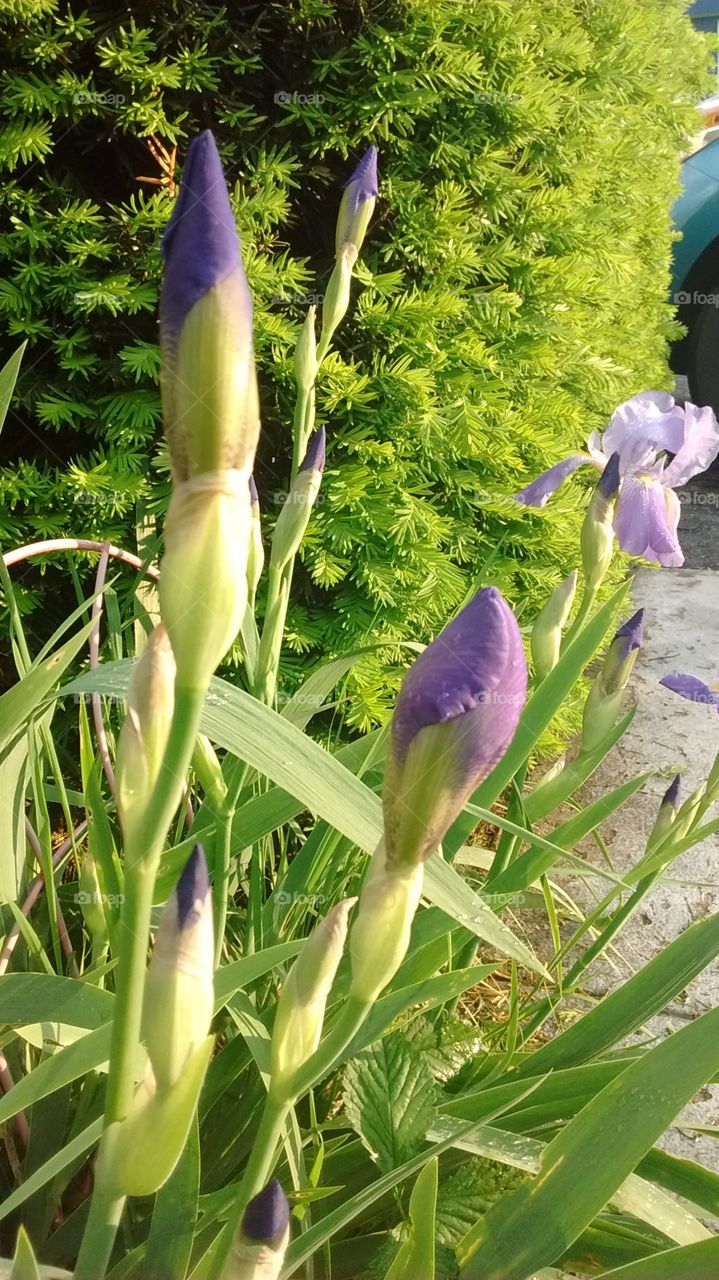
643	431
692	688
201	246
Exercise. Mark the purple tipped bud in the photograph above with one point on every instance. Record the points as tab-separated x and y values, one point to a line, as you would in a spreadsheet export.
315	455
608	484
597	536
632	631
357	203
254	498
200	245
456	714
267	1216
671	795
691	688
192	888
209	390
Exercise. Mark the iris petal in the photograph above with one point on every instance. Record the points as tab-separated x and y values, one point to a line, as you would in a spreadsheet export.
540	490
647	424
699	446
691	687
643	524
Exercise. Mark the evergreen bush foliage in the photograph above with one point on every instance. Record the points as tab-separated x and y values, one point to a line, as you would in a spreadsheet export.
511	293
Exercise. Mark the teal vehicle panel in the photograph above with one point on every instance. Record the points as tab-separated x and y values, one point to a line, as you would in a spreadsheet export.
696	211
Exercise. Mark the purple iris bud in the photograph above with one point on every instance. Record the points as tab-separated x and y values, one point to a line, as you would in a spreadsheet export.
314	458
357	204
609	480
364	183
267	1216
200	245
254	497
192	888
632	632
692	688
622	654
456	714
671	795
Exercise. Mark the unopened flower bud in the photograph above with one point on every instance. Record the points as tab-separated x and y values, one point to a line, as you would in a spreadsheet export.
456	714
666	815
259	1247
150	1140
208	770
179	994
357	204
90	897
209	387
301	1006
606	694
295	514
546	638
597	535
381	932
144	733
203	582
688	813
305	361
255	551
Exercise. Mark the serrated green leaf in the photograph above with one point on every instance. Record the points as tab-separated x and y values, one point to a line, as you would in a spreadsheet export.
390	1097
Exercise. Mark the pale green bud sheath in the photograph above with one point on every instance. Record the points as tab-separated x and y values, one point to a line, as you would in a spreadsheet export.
381	933
301	1006
546	637
144	734
208	770
605	697
597	535
356	208
256	551
179	993
305	358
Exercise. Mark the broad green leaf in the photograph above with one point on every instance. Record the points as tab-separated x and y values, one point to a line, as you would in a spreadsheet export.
14	776
19	703
240	973
44	997
532	1227
8	378
61	1068
24	1265
169	1245
693	1262
526	869
629	1007
416	1255
389	1098
69	1154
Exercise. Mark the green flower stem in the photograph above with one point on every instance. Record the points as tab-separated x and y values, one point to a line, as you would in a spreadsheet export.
223	865
142	863
278	598
588	598
278	1104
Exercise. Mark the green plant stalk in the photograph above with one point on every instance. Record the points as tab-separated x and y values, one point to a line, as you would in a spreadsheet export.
106	1206
278	597
276	1109
222	869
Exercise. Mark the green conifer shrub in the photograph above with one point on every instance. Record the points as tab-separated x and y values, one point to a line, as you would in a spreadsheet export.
512	289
